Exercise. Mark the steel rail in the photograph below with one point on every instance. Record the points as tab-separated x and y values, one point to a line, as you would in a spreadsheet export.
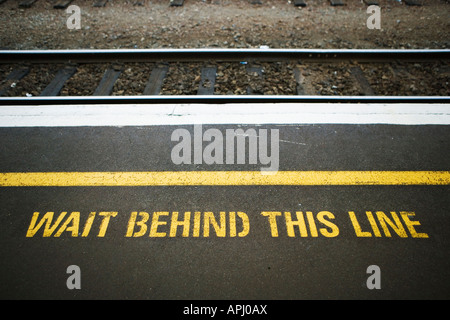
216	99
170	55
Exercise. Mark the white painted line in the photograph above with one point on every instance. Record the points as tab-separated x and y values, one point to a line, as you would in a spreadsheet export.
252	113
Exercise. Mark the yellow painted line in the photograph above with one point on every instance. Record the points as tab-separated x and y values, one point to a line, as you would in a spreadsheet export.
222	178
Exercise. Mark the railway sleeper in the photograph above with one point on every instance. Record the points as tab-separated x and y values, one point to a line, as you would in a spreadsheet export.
257	73
26	3
156	79
100	3
371	2
300	3
364	85
55	86
208	80
62	4
336	2
413	2
106	85
11	80
176	3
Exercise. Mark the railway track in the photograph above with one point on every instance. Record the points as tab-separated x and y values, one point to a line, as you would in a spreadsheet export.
63	4
210	75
